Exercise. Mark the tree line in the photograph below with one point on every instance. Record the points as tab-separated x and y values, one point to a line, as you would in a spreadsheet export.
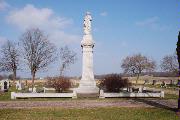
138	64
34	50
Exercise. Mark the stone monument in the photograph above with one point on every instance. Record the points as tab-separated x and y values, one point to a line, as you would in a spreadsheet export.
87	83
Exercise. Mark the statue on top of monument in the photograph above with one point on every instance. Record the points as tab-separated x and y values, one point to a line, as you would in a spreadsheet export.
87	23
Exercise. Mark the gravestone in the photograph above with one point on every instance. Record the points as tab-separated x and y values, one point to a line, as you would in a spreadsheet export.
4	85
163	84
33	90
140	89
22	86
171	83
154	82
19	85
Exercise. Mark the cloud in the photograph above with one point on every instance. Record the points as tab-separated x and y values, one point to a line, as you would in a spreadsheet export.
3	5
60	37
104	14
29	16
153	23
148	22
43	18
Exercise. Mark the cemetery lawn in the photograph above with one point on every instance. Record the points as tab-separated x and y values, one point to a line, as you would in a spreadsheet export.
7	95
107	113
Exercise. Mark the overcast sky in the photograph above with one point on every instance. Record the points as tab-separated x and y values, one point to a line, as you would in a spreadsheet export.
120	28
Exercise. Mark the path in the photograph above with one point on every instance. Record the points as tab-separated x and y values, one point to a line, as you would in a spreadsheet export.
169	104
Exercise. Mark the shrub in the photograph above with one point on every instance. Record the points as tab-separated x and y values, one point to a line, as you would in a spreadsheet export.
114	82
39	90
59	83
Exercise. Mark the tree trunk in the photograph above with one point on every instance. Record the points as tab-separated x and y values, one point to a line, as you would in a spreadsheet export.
61	72
14	76
33	77
62	69
137	79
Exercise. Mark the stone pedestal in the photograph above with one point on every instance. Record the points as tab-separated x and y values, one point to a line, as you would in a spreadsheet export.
87	82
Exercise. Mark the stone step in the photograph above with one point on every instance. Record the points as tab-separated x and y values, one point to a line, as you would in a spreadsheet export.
88	95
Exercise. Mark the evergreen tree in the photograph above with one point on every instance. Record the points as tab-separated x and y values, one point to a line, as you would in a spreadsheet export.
178	51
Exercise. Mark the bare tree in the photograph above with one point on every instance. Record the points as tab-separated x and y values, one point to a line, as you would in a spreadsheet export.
169	63
37	50
67	57
137	64
10	57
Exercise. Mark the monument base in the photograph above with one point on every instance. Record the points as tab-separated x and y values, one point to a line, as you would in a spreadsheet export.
87	90
87	86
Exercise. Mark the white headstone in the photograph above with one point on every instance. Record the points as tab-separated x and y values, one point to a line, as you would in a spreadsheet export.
18	85
101	94
87	82
34	90
140	89
4	85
